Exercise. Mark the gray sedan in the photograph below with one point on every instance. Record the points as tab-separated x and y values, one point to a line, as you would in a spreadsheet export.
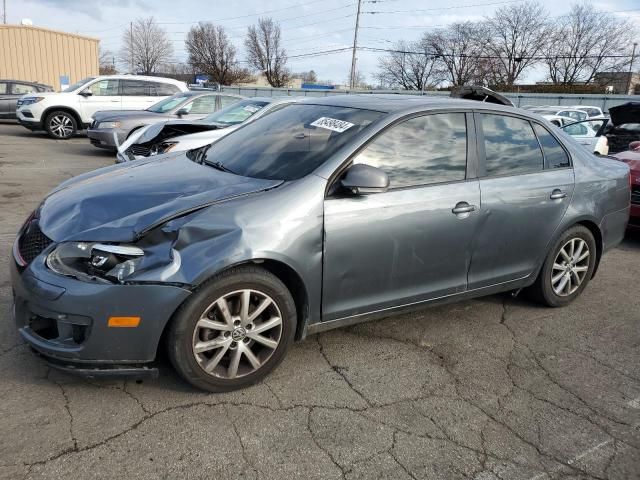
325	213
110	128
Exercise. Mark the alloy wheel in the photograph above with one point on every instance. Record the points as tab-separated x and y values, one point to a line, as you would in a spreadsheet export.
237	334
61	126
570	267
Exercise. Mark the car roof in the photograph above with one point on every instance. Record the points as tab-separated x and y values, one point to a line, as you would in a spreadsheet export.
24	81
198	93
142	77
391	103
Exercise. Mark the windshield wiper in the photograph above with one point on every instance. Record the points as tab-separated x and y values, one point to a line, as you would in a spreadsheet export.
219	166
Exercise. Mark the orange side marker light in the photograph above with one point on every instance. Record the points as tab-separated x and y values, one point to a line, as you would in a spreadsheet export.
123	322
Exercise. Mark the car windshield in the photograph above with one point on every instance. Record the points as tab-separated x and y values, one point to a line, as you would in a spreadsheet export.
77	85
236	113
289	143
168	104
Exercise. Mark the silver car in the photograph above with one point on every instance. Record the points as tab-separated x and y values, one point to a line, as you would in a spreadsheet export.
325	213
110	128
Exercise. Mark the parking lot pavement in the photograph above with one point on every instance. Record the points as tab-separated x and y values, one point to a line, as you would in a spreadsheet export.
496	388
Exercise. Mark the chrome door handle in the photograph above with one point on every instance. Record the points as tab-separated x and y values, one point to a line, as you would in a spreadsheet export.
557	194
463	207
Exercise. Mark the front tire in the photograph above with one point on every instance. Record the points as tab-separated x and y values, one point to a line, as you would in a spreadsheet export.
60	125
233	331
567	269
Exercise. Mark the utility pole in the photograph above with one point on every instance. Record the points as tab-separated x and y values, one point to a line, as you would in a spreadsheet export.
131	44
352	77
4	11
633	55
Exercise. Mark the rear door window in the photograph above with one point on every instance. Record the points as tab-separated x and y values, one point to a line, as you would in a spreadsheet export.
554	155
22	89
511	146
165	89
4	88
135	88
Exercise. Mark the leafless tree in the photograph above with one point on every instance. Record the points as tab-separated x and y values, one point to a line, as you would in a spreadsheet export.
265	52
587	41
146	46
517	36
410	66
211	52
106	63
309	77
459	49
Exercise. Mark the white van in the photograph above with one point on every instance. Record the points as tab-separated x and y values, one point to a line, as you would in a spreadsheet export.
62	114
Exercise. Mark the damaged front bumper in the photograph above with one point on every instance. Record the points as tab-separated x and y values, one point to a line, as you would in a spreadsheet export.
66	320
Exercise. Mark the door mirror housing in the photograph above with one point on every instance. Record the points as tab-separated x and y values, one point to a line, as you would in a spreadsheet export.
182	111
362	179
86	92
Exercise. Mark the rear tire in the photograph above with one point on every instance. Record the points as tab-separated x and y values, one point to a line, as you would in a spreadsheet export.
233	331
61	125
567	269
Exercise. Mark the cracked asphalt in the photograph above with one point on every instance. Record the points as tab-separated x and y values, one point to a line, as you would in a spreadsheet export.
496	388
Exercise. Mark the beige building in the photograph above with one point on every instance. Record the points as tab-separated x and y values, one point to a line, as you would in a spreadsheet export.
619	82
46	56
261	81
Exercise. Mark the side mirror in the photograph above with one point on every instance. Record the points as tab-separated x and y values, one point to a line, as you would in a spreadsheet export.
86	92
361	179
182	111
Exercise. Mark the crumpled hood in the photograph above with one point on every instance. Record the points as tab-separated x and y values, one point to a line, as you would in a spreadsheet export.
174	128
208	136
112	115
119	203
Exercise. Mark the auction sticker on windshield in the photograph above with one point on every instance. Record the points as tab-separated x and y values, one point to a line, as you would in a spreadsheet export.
251	108
332	124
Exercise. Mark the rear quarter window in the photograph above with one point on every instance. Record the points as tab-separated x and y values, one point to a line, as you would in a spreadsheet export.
165	89
554	155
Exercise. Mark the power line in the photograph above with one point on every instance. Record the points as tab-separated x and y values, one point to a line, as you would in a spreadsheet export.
487	57
454	7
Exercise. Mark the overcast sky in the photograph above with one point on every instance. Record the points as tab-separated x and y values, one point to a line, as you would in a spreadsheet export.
307	25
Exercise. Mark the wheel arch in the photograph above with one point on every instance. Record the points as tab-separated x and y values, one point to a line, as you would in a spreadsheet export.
284	272
70	110
597	235
587	222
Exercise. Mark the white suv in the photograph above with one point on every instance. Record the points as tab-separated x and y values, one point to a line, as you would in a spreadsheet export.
63	113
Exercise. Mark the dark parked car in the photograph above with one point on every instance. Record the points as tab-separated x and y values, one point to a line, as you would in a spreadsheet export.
624	126
110	128
325	213
12	90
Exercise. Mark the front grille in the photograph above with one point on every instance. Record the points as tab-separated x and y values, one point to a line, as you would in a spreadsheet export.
635	194
138	150
32	241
